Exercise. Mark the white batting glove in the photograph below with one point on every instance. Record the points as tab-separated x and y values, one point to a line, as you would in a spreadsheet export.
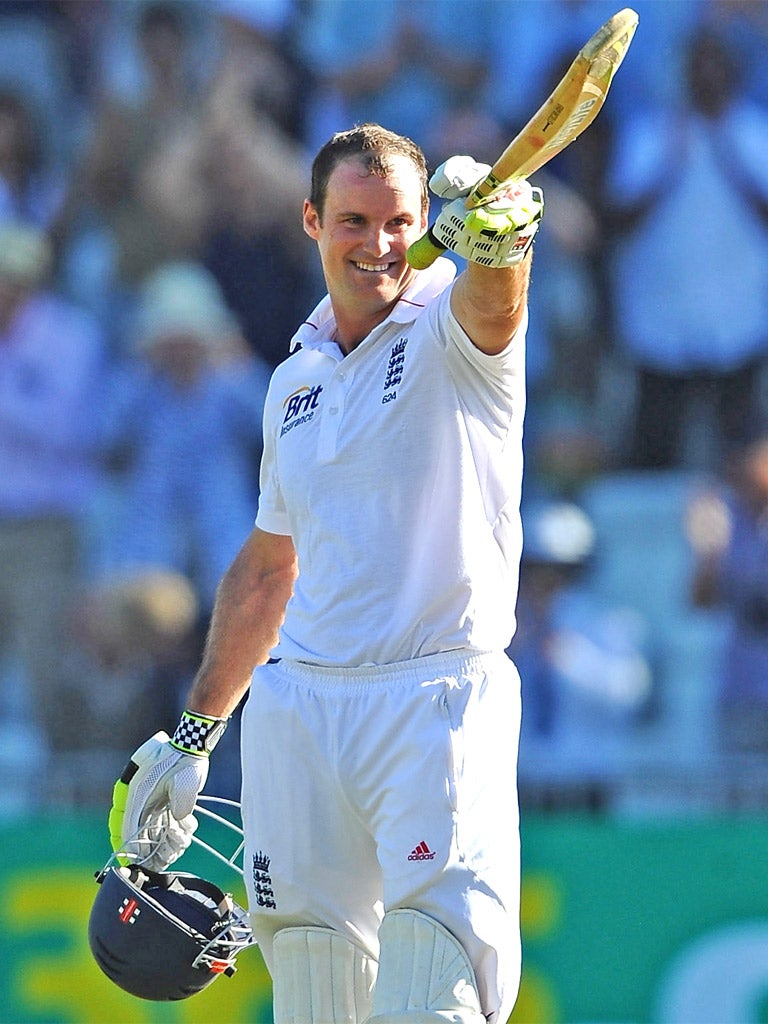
457	176
498	233
151	820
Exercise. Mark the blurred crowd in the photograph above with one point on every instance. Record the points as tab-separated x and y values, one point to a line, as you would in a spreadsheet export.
154	155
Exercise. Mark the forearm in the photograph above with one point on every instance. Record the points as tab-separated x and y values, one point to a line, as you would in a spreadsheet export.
250	605
155	797
489	303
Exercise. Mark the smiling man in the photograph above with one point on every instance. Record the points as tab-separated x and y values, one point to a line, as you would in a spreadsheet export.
368	614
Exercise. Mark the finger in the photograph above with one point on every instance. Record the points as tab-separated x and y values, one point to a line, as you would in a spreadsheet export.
185	786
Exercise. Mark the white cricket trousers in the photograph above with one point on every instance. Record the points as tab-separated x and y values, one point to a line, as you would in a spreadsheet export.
385	787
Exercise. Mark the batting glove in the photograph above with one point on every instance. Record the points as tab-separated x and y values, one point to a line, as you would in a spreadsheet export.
496	234
151	820
457	176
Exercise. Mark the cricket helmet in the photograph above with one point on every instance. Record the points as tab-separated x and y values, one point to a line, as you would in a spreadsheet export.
164	935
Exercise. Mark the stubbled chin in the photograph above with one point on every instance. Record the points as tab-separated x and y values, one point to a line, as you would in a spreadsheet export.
384	281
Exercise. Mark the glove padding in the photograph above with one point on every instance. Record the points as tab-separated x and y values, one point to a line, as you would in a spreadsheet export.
151	820
457	176
497	233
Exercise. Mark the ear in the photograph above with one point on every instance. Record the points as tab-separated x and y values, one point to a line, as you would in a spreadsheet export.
311	220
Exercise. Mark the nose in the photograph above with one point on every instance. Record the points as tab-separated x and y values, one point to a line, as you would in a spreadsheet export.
378	241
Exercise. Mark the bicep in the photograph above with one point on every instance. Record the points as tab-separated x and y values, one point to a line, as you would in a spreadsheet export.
267	556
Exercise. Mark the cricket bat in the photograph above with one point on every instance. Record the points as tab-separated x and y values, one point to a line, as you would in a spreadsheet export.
572	107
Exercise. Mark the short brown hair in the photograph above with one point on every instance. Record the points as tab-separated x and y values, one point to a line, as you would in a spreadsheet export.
375	147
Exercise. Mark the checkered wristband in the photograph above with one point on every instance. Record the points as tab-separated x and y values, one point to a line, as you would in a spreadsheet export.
198	734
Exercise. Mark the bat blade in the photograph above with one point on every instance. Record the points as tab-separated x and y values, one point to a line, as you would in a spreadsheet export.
570	109
572	106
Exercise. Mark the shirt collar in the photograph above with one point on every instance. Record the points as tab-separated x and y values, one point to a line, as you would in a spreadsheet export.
318	329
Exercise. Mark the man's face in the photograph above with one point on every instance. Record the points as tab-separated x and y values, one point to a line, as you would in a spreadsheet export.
368	223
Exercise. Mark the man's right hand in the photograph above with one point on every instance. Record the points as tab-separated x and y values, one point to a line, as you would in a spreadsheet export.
151	820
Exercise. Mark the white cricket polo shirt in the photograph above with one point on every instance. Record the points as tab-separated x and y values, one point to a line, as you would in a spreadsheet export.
397	472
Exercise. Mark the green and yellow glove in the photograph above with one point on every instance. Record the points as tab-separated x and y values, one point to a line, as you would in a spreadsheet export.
497	233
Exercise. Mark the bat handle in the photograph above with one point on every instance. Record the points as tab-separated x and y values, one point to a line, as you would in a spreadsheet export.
424	251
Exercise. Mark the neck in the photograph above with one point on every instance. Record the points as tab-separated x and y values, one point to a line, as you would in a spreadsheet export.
347	345
351	331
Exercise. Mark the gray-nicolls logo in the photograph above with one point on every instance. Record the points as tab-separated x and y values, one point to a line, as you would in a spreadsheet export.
262	882
395	368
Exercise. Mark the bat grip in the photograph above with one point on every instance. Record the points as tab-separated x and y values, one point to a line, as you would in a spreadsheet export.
424	251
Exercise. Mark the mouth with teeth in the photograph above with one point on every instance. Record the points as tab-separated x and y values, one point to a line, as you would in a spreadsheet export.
373	268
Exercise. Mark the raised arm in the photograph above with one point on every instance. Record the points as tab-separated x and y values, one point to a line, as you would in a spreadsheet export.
489	297
490	303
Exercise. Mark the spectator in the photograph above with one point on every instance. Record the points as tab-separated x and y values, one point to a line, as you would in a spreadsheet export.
563	450
110	230
232	182
131	45
255	172
34	64
727	531
29	189
257	61
182	433
408	66
583	666
689	195
50	364
134	649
